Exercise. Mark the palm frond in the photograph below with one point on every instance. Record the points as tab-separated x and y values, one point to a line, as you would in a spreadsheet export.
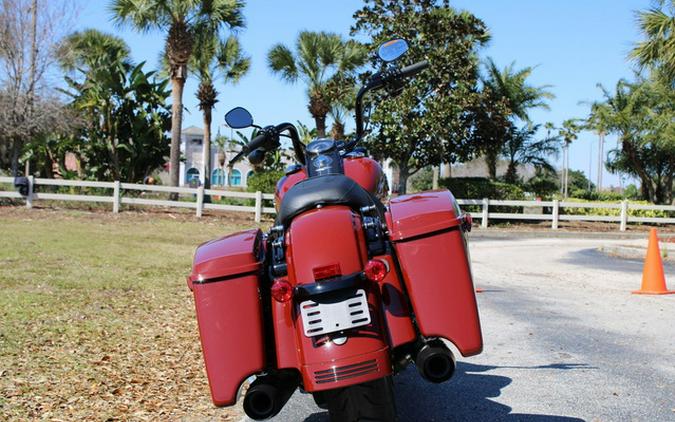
281	60
142	15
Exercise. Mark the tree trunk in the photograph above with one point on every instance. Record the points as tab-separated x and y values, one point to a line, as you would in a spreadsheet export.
338	131
434	177
491	162
177	85
320	126
206	148
668	189
403	175
511	175
645	181
15	157
446	170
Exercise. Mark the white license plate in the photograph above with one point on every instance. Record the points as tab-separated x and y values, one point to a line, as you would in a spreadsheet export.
329	317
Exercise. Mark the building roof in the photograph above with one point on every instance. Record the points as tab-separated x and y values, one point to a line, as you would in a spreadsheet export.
193	130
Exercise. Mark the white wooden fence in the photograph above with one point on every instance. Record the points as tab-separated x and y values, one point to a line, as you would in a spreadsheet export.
117	199
555	216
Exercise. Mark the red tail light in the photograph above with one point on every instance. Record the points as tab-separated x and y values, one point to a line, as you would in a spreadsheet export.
376	270
327	271
282	291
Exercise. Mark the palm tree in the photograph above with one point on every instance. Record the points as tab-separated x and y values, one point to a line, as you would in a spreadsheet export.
568	132
319	60
92	48
212	59
180	20
509	87
657	51
521	148
306	134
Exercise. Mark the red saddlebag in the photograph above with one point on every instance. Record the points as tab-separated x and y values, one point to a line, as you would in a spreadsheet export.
431	248
225	283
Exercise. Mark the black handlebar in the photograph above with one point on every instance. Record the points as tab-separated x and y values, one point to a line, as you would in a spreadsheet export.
267	139
256	142
414	69
377	81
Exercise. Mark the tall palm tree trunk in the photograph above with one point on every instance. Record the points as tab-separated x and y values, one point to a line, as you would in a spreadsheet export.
511	175
206	154
338	130
491	162
177	85
320	126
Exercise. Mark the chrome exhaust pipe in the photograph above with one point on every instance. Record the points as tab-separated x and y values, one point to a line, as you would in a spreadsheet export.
268	394
435	362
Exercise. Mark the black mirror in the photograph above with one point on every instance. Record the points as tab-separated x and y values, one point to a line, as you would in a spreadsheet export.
239	118
392	50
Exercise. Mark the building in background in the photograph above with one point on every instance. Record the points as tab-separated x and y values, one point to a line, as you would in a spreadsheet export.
191	168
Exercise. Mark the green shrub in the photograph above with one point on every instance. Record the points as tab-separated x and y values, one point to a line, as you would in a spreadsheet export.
265	181
632	192
422	180
613	212
596	196
544	186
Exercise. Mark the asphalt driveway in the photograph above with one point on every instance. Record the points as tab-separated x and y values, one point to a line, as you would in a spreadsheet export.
564	341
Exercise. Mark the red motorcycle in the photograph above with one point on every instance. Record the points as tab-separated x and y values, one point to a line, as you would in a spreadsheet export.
343	291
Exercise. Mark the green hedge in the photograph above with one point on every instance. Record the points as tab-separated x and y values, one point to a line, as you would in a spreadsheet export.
265	182
613	212
479	187
596	196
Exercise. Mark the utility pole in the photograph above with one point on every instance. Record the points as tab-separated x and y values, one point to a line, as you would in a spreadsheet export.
601	161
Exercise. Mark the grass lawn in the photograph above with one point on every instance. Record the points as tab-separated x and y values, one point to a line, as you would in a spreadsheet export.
96	321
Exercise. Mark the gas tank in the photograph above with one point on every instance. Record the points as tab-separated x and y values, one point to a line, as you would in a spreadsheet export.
364	170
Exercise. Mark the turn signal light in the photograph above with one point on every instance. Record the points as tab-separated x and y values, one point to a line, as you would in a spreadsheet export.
282	291
376	270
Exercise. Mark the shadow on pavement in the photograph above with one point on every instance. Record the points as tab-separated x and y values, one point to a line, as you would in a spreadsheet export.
593	258
465	398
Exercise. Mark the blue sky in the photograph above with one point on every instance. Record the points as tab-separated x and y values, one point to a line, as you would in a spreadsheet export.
575	44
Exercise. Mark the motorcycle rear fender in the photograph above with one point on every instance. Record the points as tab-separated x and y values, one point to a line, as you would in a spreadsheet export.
225	283
426	230
321	237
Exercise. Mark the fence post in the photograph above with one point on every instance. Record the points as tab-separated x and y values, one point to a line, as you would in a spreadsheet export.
624	215
29	197
116	196
200	200
258	206
484	219
556	213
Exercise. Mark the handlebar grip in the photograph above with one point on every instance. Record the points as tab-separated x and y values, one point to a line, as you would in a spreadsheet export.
414	69
256	156
256	142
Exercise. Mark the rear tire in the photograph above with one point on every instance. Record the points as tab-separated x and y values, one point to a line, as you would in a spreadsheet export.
371	401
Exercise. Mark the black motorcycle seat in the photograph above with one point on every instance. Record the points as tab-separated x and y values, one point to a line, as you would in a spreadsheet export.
334	189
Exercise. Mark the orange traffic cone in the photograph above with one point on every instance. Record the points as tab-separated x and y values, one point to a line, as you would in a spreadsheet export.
653	278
